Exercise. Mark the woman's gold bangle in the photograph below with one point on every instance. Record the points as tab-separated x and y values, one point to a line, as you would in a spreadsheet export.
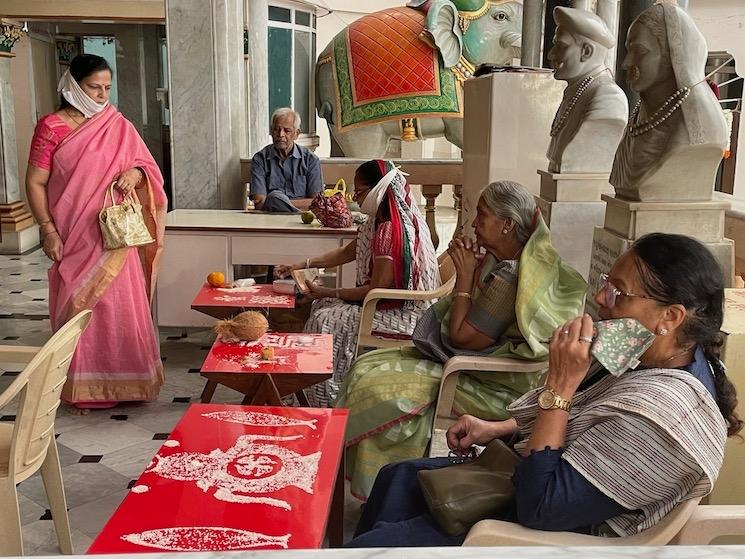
462	294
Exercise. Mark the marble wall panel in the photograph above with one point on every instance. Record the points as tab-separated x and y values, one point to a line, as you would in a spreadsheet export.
192	96
9	185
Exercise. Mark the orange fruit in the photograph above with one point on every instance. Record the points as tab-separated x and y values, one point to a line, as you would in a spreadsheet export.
216	279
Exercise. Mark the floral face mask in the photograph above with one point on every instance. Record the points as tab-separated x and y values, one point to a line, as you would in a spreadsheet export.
619	343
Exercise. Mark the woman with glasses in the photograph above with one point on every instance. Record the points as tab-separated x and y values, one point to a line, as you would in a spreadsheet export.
393	249
511	290
602	454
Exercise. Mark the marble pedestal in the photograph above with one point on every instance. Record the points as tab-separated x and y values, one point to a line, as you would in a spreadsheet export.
506	131
626	221
19	242
572	208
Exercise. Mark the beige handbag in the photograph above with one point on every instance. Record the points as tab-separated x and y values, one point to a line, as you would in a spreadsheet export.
122	225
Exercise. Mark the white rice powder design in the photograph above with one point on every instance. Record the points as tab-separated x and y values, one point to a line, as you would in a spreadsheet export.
140	489
204	538
246	289
229	299
242	471
171	443
259	419
260	300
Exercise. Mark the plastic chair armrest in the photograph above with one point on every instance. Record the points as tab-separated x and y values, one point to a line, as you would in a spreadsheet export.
460	363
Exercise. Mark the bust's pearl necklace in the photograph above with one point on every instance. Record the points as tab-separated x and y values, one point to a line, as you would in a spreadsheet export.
559	122
667	110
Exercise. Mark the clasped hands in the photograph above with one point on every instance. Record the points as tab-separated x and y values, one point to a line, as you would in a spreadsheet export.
465	253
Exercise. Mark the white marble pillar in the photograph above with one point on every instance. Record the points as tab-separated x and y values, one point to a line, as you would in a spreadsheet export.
581	4
608	11
9	184
207	97
530	49
18	233
257	24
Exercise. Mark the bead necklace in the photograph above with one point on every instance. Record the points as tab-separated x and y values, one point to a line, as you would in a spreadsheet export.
560	120
667	110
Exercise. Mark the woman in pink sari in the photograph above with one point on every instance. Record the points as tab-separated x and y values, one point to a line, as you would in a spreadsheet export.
76	154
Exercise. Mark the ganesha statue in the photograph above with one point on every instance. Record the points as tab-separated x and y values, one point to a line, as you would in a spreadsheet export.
399	73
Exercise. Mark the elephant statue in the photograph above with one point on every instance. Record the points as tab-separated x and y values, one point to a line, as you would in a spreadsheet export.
399	73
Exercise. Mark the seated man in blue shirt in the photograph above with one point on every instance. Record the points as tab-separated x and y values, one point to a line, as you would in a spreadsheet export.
285	176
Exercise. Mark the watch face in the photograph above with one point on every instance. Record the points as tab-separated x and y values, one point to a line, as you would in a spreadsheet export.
546	399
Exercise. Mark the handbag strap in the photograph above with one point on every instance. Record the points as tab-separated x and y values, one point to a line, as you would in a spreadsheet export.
110	192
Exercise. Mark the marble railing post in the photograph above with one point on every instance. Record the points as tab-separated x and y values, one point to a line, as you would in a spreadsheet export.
257	18
530	49
17	228
208	102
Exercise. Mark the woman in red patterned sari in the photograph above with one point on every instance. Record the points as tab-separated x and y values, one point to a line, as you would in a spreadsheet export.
76	154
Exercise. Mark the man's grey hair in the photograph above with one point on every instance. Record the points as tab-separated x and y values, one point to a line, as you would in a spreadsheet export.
283	112
511	200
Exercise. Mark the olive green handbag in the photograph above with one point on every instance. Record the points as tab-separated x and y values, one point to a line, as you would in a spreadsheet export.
461	495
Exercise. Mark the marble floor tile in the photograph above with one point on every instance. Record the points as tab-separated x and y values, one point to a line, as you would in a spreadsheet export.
39	538
84	483
67	455
104	437
161	419
92	517
132	461
30	511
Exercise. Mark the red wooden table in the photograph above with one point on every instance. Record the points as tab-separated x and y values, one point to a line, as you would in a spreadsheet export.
300	361
224	302
235	478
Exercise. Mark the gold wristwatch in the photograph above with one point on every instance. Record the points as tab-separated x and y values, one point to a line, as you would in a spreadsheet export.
550	400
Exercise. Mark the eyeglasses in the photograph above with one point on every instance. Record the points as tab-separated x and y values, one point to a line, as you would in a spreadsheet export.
362	192
609	292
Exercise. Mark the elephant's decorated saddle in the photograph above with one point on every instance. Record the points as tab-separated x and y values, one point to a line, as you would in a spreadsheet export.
384	70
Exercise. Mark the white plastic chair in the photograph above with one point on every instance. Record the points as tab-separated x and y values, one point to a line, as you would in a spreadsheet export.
365	335
690	523
449	382
27	445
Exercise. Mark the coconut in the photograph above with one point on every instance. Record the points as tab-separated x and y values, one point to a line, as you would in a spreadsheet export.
249	326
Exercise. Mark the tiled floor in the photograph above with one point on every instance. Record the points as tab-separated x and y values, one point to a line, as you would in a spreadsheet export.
103	453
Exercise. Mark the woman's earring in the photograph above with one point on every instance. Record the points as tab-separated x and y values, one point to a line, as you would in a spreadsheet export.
504	231
662	331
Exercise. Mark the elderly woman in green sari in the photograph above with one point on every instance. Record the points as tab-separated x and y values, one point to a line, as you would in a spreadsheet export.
512	290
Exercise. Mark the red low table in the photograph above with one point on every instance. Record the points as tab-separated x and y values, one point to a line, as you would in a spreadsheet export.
300	361
224	302
237	478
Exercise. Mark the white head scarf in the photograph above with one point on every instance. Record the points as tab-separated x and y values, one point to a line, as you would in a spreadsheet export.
78	98
703	116
377	194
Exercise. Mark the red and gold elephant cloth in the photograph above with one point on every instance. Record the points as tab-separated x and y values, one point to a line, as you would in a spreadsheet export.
385	71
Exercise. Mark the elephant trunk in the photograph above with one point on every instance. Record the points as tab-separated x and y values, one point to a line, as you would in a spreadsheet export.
513	40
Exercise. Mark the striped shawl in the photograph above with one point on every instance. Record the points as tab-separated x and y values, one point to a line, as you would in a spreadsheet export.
649	440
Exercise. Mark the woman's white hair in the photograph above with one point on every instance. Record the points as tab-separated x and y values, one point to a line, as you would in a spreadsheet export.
283	112
511	200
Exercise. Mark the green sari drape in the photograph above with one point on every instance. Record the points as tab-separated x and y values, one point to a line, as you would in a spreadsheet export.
391	392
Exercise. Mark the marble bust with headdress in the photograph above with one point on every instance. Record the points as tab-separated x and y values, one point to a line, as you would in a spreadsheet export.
593	112
676	134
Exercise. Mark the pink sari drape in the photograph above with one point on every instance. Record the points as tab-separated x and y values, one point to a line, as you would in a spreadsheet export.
118	356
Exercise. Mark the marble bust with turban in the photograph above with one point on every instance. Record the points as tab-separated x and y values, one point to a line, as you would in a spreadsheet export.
676	135
594	110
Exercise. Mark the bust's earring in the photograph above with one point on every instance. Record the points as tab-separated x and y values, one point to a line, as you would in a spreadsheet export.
662	331
504	231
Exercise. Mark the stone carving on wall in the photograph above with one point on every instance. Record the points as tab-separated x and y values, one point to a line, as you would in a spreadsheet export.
398	73
10	34
676	134
593	113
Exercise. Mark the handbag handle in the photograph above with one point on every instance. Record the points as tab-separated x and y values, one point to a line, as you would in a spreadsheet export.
110	192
